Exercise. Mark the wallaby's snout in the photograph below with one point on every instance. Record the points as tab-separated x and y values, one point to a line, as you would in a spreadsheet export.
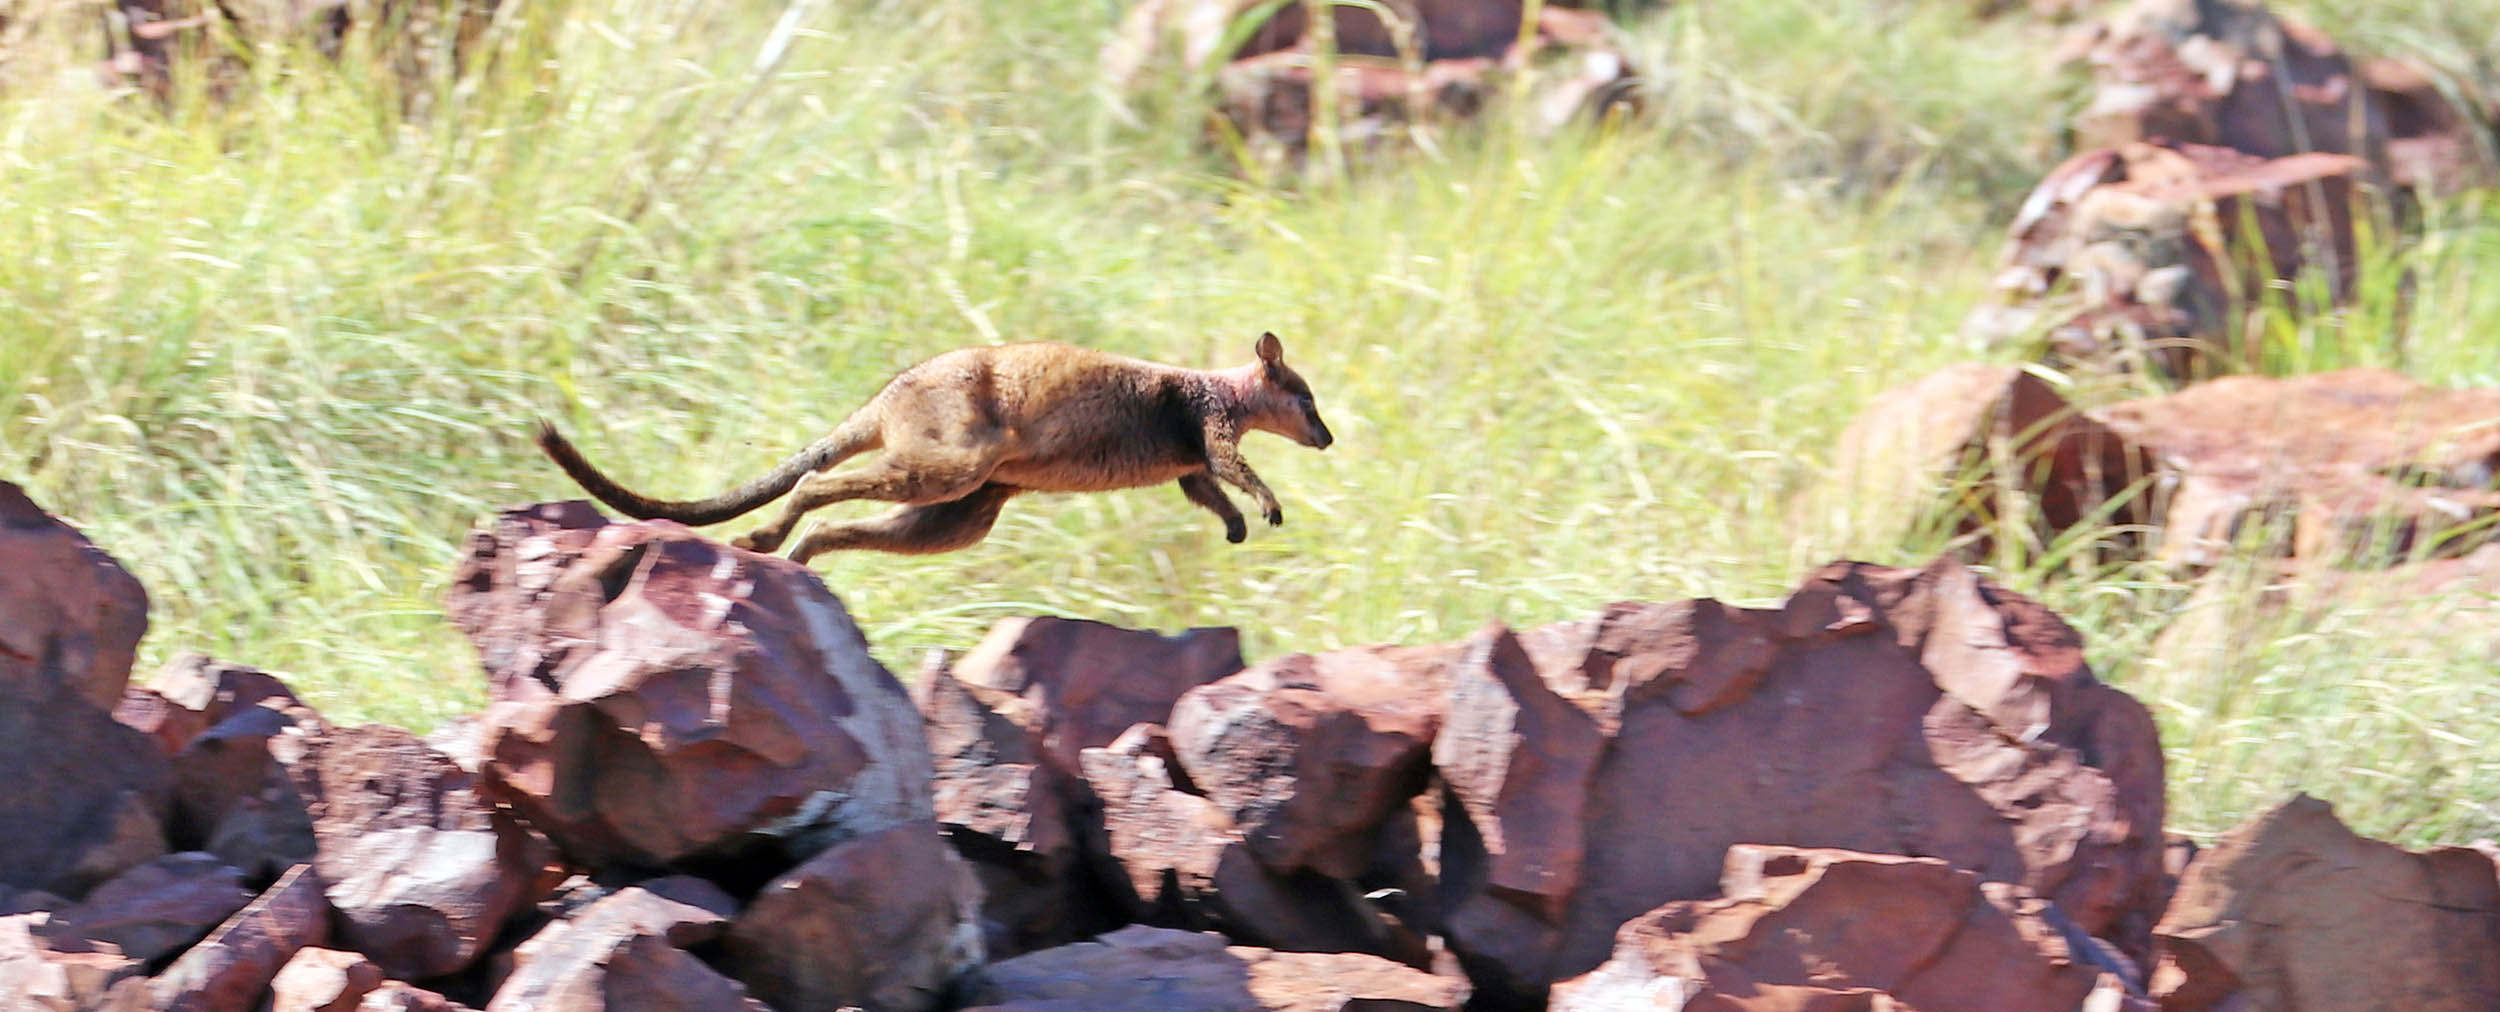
1319	437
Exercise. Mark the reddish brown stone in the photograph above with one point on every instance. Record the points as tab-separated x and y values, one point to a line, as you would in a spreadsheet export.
41	972
70	617
1143	969
1082	683
2292	911
232	795
156	908
1309	754
422	870
323	980
1820	928
626	951
885	921
85	798
660	697
401	996
232	968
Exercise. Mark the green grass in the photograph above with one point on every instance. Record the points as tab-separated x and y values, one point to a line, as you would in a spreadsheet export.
279	356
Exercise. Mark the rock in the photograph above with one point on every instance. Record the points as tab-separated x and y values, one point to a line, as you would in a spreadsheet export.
167	723
400	996
2356	465
232	968
1516	759
2149	257
157	908
421	869
69	973
70	616
233	797
323	980
1821	928
1993	435
1014	817
1078	684
217	689
1163	970
659	697
2292	911
85	798
1308	754
1185	863
627	951
885	921
2241	76
1920	712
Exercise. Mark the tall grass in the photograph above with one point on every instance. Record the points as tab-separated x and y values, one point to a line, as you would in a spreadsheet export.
279	355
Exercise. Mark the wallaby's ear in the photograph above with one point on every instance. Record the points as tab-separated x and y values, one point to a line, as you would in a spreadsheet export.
1271	350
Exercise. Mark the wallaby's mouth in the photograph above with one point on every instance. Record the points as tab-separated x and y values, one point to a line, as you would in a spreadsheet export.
1320	440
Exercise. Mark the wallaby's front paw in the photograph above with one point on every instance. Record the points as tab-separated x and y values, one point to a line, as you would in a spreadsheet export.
1276	516
1235	530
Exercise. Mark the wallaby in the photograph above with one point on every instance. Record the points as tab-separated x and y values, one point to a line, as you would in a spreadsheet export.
972	428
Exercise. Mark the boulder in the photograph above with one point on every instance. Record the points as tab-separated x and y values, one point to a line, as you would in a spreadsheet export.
323	980
2240	75
232	968
155	909
232	793
885	921
1916	712
1014	816
1821	928
85	799
2149	257
1145	969
70	616
2344	467
2011	455
2292	911
401	996
62	974
1076	684
421	869
627	951
660	697
1309	754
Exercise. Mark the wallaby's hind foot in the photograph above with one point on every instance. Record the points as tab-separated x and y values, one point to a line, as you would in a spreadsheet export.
913	530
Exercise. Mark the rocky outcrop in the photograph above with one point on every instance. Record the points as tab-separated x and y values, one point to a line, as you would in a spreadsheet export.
836	931
2153	257
323	980
1143	969
1075	685
659	697
626	951
2291	911
1822	928
234	965
70	617
153	910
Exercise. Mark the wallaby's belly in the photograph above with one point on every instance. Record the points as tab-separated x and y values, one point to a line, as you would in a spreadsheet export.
1090	473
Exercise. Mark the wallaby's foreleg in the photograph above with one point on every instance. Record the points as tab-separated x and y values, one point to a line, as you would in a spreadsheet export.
1201	488
919	479
914	530
1224	461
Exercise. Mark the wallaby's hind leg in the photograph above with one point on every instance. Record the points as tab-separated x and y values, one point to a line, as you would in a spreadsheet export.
917	479
1201	488
914	530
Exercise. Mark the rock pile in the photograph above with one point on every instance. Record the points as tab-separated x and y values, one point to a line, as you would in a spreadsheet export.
695	789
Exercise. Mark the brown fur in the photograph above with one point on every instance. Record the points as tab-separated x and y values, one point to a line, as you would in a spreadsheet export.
966	431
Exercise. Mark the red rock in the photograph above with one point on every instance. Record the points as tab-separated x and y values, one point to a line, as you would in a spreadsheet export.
1082	683
1163	970
1819	928
1517	760
1186	863
2146	257
1977	429
400	996
70	617
85	798
1309	754
167	723
39	972
323	980
422	870
2291	911
626	951
217	689
885	921
232	795
157	908
232	968
660	697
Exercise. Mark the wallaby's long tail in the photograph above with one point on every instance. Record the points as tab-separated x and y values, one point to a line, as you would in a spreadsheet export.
846	439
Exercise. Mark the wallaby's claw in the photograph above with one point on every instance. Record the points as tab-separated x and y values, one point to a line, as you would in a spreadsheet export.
1276	516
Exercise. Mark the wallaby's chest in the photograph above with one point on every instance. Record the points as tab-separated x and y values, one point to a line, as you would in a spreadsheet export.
1114	443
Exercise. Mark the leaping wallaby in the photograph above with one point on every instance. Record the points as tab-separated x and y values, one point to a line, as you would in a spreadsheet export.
970	429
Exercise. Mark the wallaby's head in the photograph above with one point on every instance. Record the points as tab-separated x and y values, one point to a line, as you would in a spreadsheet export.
1280	402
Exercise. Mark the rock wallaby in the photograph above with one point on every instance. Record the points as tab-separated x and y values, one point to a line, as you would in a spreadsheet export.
970	429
